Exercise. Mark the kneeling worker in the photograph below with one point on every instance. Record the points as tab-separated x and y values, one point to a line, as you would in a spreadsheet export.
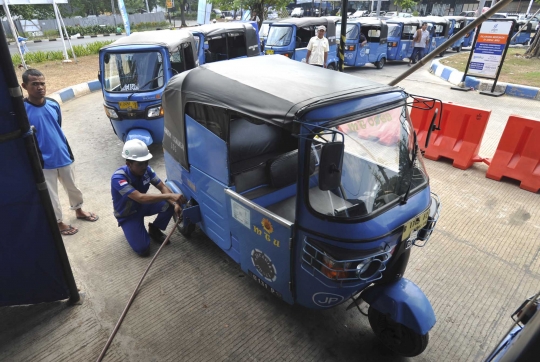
129	185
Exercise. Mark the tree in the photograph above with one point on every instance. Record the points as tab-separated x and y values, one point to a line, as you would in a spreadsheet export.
256	7
29	12
405	4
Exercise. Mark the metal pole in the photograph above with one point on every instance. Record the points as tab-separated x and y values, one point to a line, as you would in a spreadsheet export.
341	60
501	4
66	56
147	8
14	33
65	31
6	66
114	13
480	7
524	25
379	8
529	8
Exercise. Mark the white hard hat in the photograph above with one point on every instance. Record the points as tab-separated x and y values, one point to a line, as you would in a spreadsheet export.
136	150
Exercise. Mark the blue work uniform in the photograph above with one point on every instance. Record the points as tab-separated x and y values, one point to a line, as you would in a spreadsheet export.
130	214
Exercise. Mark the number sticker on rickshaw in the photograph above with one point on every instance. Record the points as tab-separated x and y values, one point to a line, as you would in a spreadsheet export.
269	51
127	105
415	224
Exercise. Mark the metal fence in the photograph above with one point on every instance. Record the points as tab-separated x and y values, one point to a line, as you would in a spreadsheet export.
50	24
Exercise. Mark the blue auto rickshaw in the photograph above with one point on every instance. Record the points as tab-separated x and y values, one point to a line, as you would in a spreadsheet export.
263	32
438	28
456	24
374	51
312	181
524	36
290	37
133	71
401	33
223	41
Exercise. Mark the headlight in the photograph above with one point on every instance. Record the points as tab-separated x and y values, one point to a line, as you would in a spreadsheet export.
155	112
111	112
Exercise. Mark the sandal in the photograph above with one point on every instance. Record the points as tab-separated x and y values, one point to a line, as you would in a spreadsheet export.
69	231
92	217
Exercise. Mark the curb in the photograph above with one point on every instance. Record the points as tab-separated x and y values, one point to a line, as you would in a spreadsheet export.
74	37
75	91
454	76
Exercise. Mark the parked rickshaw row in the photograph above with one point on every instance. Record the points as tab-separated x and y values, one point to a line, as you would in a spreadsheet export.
134	69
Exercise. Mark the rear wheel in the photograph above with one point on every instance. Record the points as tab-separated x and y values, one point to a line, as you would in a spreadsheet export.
331	66
380	63
185	230
459	48
395	336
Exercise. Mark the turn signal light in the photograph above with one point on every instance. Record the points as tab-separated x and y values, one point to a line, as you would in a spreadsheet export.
331	270
351	47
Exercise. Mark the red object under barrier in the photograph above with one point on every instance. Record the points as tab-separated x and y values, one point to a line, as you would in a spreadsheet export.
518	153
462	130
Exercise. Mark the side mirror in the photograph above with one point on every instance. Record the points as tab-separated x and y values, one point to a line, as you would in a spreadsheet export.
432	126
330	165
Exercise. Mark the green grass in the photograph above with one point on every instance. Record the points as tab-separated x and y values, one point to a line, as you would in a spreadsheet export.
40	56
516	68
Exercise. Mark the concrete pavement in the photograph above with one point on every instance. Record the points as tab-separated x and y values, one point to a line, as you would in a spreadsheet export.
480	264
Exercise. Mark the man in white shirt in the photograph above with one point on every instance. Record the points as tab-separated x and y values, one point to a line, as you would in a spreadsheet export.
420	43
317	49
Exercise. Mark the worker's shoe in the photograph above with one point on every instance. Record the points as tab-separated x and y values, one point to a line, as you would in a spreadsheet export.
156	234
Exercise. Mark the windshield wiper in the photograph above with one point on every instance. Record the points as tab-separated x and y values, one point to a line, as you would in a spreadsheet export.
145	84
413	159
280	39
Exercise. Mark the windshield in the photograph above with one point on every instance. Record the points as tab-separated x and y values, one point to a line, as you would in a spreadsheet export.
393	30
352	31
264	30
381	162
129	72
279	35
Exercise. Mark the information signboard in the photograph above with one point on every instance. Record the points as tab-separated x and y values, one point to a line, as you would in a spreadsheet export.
489	50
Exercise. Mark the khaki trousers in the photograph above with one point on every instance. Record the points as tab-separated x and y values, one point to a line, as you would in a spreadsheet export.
67	179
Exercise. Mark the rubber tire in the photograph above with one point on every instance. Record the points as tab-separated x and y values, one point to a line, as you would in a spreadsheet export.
331	66
380	64
413	343
441	54
459	48
185	231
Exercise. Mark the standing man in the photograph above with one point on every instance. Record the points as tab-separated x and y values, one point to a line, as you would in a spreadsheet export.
317	49
420	42
44	114
129	185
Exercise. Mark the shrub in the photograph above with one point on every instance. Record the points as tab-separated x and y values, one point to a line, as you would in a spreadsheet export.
80	51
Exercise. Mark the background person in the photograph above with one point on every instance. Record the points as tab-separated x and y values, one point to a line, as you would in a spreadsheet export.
317	48
44	114
129	185
420	42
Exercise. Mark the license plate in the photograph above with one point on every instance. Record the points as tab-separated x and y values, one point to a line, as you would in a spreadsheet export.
415	224
270	52
127	105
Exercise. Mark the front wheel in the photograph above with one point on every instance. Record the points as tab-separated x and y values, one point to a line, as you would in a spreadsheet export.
395	336
185	230
331	66
380	63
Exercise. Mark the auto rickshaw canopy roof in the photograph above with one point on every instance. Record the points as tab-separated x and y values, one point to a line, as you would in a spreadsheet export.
309	21
271	88
170	39
210	30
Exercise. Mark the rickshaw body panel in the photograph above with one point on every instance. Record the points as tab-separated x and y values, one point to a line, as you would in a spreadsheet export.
373	51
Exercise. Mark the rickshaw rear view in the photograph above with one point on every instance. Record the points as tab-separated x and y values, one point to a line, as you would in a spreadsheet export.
317	191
